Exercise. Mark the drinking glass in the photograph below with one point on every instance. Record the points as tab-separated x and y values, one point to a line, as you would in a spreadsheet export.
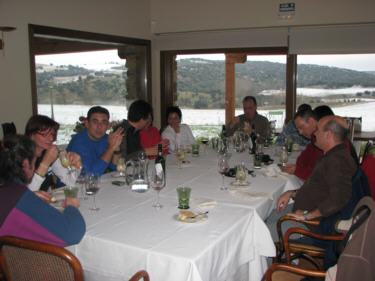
183	194
92	187
121	166
180	155
223	168
71	191
81	180
63	156
284	156
157	183
195	149
205	141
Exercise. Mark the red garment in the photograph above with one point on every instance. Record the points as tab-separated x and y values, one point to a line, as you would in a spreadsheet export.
149	137
306	161
368	167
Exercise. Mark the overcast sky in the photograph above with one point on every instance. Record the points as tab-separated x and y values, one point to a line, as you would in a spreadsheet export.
363	62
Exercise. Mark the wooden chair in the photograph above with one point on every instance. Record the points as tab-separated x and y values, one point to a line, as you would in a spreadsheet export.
142	274
287	272
26	260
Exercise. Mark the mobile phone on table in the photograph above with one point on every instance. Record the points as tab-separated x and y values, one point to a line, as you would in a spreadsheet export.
118	183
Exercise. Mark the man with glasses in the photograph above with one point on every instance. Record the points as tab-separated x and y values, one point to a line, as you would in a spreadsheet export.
96	148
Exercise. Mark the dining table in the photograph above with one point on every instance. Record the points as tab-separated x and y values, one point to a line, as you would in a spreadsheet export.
230	242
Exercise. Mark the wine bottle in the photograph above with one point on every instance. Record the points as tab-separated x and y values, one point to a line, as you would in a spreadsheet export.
160	160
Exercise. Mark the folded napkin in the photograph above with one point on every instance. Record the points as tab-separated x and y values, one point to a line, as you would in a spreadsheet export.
246	194
203	203
271	171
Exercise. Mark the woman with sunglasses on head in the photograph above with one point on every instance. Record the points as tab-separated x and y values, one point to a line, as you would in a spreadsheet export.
43	131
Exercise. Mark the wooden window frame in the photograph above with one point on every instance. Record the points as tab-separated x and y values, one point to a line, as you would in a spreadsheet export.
78	44
167	74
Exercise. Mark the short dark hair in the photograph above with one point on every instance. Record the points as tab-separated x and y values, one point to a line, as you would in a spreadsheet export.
174	109
15	149
322	110
305	114
138	110
40	123
97	109
250	98
304	106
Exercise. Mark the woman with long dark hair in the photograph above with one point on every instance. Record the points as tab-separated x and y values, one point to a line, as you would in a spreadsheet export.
43	131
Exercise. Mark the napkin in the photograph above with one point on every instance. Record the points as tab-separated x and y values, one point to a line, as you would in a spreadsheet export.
271	171
203	203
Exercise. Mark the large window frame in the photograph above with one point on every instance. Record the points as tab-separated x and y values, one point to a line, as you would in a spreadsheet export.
168	71
51	40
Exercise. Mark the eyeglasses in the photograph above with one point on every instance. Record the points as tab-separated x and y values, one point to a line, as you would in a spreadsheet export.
48	133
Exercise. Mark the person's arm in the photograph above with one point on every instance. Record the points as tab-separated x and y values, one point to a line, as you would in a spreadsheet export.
190	136
306	161
169	135
305	216
53	227
91	163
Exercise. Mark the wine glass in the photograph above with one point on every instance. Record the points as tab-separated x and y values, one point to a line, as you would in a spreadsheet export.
284	156
121	166
205	141
92	187
223	168
81	180
180	155
157	180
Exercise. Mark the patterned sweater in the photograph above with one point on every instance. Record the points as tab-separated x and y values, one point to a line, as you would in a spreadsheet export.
25	215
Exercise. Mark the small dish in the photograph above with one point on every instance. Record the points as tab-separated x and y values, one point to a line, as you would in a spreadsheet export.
192	217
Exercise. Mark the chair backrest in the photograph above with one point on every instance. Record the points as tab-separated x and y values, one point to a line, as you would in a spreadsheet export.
142	274
9	129
368	167
26	260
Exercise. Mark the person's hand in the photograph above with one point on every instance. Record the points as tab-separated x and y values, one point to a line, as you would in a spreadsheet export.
115	139
45	196
283	200
151	151
298	215
50	156
289	168
70	201
74	160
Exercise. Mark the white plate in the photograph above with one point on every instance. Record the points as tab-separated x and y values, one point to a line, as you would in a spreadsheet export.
198	218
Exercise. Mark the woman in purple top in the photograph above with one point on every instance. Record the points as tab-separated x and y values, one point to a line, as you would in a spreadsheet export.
22	213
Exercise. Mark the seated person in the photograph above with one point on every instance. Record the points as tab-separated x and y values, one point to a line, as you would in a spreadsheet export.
329	188
290	131
96	148
139	117
43	130
22	213
306	123
250	119
322	110
178	134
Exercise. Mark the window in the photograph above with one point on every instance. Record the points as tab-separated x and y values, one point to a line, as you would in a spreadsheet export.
346	83
199	87
75	70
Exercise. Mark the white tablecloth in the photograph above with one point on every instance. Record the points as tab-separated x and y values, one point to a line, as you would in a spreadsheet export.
127	234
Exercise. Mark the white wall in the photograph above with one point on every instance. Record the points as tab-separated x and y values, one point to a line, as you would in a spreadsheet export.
318	26
118	17
178	16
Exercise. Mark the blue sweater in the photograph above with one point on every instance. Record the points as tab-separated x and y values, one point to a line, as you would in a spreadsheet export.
91	152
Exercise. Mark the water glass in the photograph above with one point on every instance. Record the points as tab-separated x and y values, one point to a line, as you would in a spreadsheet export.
195	150
71	192
183	194
92	187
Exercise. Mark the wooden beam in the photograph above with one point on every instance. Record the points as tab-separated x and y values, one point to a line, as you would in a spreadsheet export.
230	81
291	86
